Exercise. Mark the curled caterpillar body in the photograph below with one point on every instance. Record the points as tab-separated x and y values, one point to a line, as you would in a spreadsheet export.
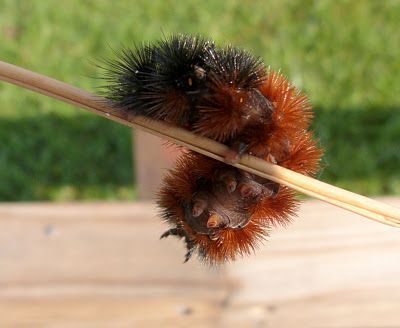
230	96
200	191
220	211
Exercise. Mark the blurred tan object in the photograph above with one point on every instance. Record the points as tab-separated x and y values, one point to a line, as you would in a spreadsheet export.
102	265
152	158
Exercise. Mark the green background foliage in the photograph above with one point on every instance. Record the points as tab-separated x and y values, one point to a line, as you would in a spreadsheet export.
343	54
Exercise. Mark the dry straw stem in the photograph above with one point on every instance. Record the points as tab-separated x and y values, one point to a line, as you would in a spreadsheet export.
367	207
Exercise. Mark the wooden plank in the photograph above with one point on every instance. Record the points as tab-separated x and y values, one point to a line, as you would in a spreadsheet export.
89	242
71	265
330	268
111	311
98	264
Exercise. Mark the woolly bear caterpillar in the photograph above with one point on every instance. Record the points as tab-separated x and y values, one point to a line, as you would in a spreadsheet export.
230	96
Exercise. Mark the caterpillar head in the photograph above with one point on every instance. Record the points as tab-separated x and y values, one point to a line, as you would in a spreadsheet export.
217	216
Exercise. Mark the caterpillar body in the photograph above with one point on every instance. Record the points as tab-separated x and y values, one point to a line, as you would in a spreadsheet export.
230	96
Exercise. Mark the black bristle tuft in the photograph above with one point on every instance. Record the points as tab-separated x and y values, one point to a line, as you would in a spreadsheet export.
236	67
159	81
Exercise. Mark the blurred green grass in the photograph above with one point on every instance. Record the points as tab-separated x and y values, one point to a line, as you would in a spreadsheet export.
344	54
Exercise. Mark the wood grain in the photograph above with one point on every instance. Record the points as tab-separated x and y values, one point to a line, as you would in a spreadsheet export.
102	265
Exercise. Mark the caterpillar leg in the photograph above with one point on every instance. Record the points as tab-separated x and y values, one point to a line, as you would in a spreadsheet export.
173	232
190	247
180	233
